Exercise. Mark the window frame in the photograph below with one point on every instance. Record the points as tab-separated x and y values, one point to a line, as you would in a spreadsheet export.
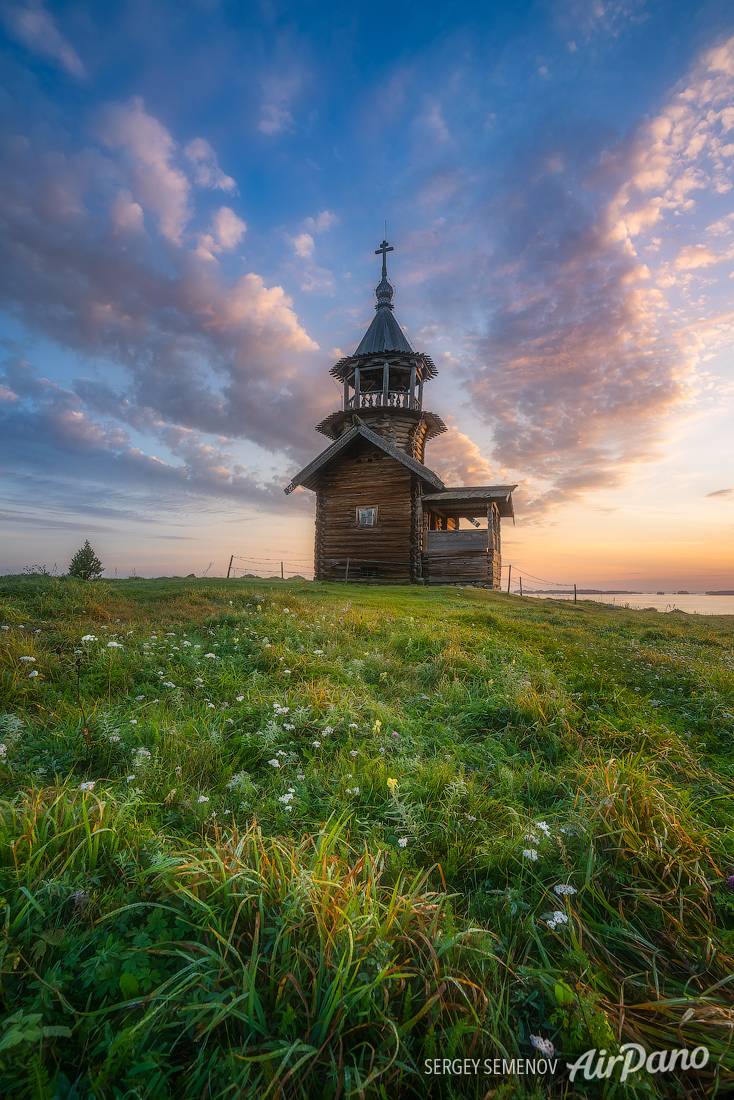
366	508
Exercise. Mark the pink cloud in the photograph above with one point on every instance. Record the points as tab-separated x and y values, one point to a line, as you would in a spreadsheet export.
37	30
207	172
149	150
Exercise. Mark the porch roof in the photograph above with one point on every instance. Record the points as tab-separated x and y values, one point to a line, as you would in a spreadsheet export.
470	500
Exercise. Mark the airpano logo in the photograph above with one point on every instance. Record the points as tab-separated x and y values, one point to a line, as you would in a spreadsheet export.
596	1066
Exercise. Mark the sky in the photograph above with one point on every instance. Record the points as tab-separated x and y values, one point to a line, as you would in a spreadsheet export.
191	195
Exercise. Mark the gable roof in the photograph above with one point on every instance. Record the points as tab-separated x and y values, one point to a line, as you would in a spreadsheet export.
307	476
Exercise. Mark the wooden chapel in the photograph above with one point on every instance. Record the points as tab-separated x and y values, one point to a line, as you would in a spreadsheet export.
382	516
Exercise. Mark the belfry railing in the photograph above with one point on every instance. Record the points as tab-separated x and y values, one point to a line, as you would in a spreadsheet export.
396	399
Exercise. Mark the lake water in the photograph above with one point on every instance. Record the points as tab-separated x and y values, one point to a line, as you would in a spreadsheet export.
697	603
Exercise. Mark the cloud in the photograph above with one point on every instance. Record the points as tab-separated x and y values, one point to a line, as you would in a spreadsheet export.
188	355
227	230
699	255
126	214
149	150
275	119
583	361
314	279
207	172
36	29
720	493
303	245
457	460
51	432
28	519
323	222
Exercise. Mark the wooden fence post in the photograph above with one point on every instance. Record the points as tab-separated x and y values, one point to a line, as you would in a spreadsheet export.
346	573
509	574
230	566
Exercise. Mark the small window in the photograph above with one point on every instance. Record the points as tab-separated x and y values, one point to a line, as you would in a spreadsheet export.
366	517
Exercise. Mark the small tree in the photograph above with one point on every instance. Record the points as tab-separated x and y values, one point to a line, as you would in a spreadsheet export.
85	564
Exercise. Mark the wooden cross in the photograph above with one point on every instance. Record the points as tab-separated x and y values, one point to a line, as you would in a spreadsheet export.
384	249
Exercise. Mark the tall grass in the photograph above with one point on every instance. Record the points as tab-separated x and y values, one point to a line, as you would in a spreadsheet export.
334	833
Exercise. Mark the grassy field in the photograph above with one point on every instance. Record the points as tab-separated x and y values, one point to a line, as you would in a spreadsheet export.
264	839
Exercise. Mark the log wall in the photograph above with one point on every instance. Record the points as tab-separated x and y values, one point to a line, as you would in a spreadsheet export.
366	478
460	557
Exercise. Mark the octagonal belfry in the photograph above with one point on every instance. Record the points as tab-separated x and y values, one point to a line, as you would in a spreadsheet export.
382	516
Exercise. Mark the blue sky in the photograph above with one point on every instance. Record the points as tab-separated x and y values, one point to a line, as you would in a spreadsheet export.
191	195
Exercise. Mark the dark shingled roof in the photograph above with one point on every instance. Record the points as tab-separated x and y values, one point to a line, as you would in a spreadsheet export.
384	334
307	475
467	498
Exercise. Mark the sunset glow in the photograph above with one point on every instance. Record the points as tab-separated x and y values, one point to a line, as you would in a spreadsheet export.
190	200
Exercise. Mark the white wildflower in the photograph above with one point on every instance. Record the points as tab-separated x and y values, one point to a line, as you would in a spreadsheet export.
316	744
530	853
544	827
87	786
557	918
32	674
403	842
210	654
274	763
139	698
28	658
545	1046
240	698
115	645
133	721
89	638
202	798
130	778
564	888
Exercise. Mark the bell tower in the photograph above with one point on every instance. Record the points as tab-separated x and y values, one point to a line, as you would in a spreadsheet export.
383	380
382	516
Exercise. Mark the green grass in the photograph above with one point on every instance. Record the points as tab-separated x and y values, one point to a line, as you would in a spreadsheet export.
300	869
